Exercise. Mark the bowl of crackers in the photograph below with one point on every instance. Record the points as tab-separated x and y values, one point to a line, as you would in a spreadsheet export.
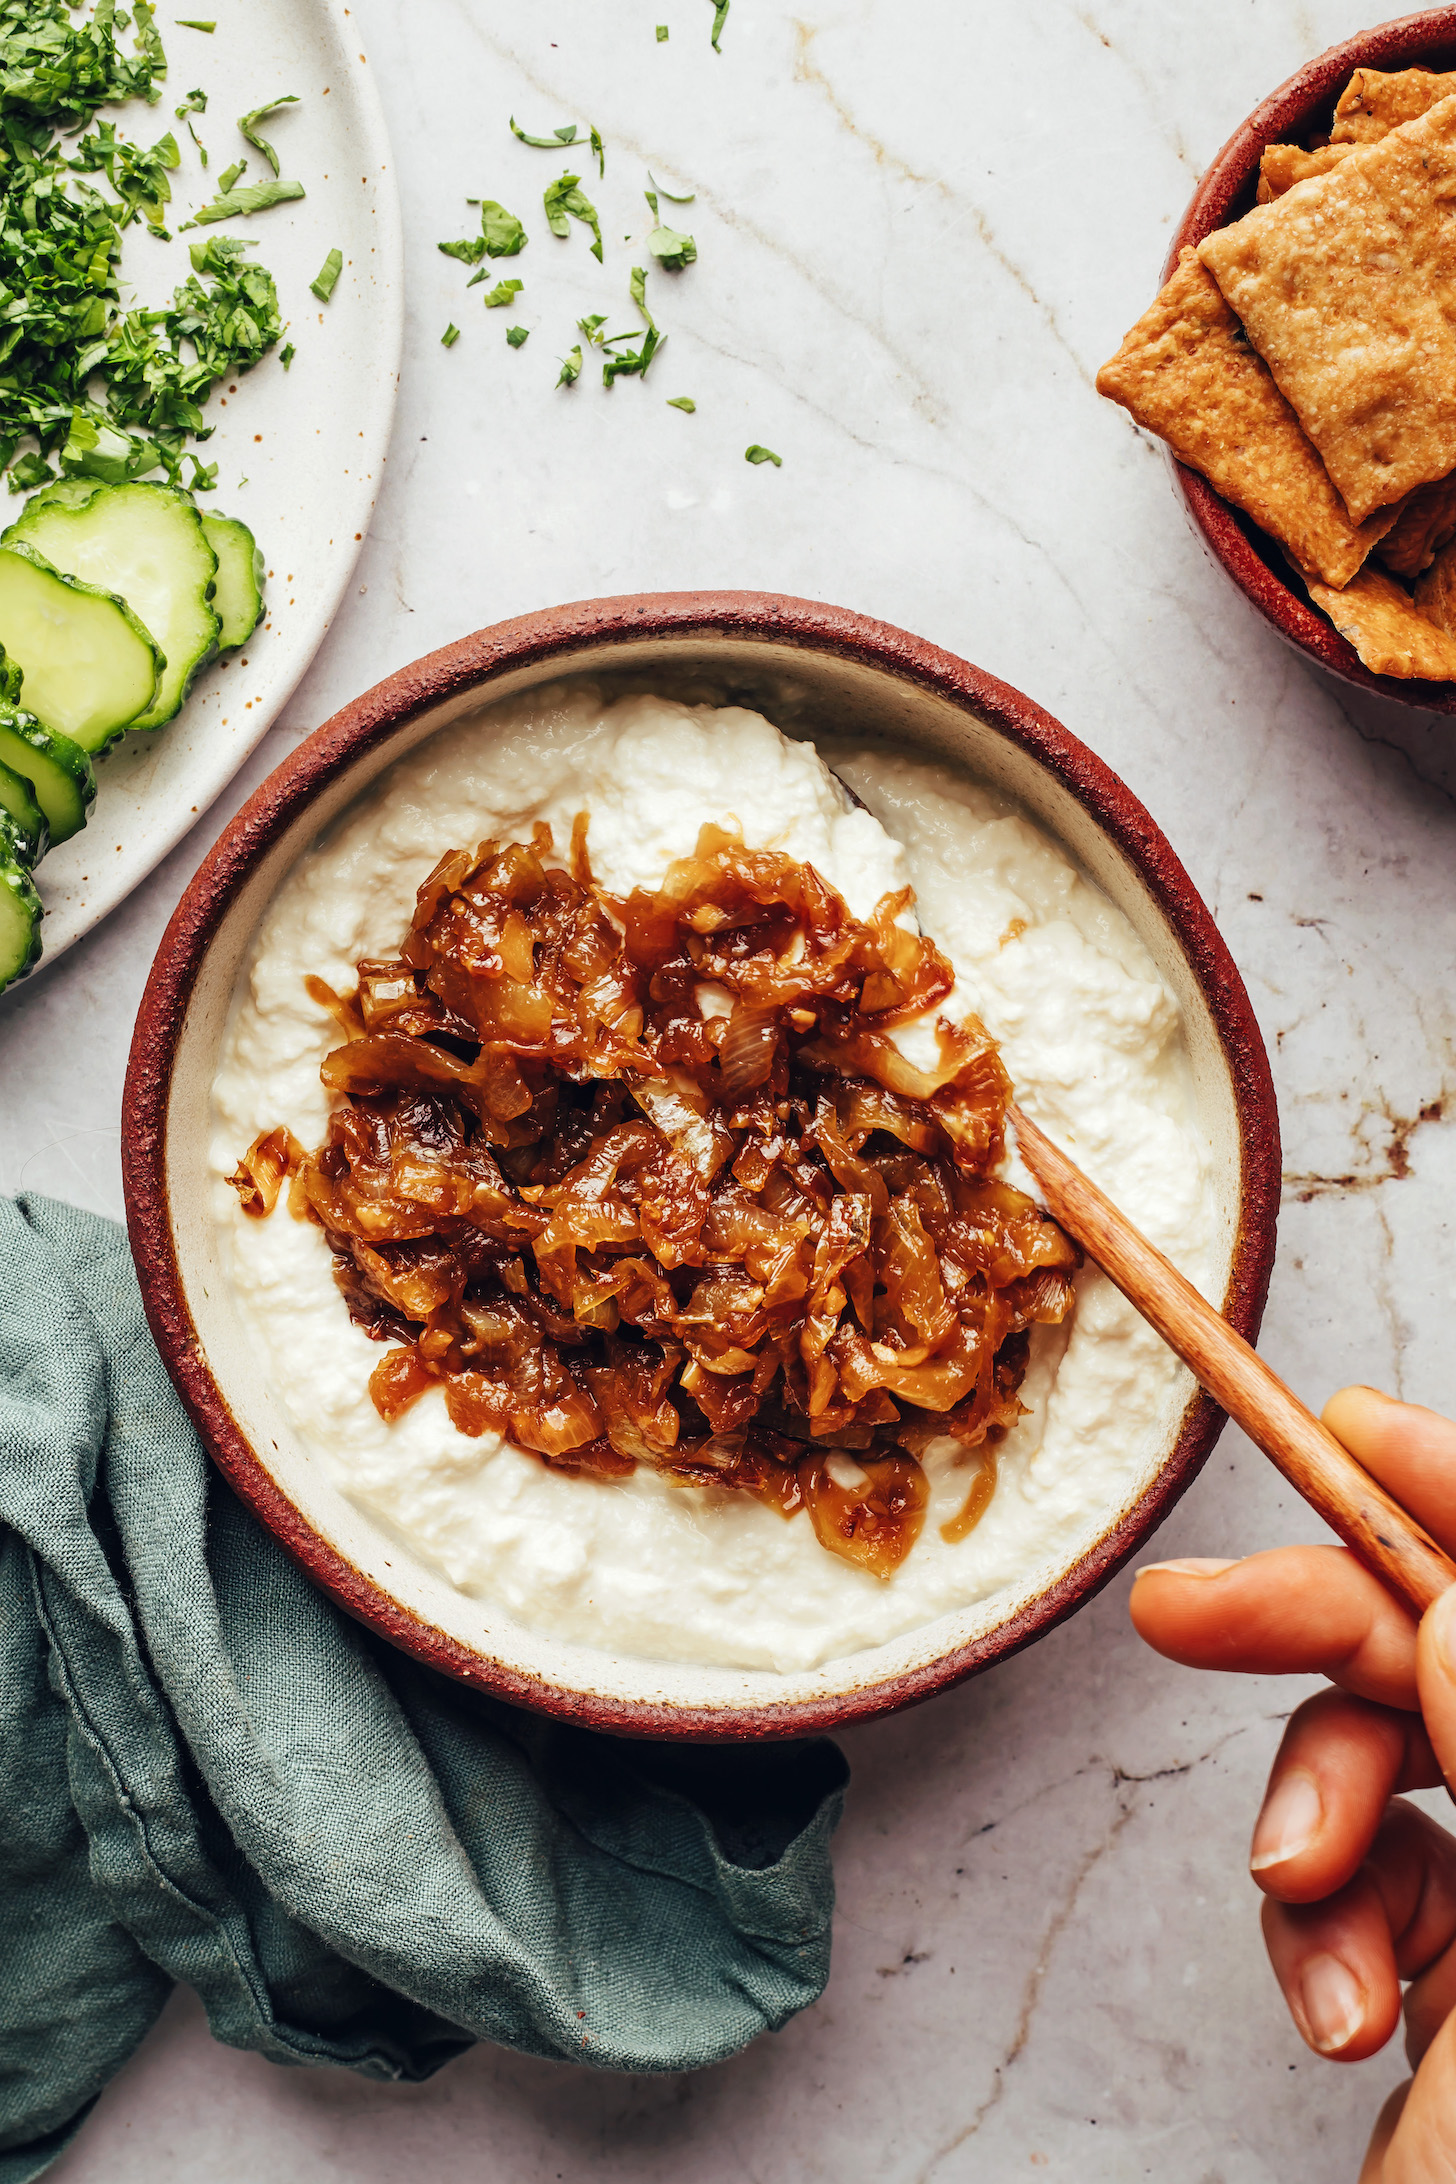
1300	360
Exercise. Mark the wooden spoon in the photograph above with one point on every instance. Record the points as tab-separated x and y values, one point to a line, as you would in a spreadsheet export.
1375	1528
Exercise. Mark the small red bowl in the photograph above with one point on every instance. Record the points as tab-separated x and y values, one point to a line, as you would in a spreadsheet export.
1296	113
818	670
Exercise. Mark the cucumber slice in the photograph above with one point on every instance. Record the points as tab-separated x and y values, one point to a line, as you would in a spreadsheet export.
145	543
237	598
90	667
59	772
18	802
20	911
70	492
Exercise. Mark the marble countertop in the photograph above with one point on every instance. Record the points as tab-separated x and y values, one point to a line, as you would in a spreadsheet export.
920	229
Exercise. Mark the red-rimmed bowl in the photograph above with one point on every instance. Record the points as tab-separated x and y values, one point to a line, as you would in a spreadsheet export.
1297	113
813	669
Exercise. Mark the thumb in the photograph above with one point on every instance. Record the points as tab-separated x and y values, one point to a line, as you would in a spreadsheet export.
1436	1680
1415	2139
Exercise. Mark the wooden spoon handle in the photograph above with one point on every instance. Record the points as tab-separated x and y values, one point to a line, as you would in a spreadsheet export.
1374	1527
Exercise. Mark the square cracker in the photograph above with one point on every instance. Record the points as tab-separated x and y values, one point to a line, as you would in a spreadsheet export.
1423	526
1435	594
1187	373
1347	288
1390	636
1374	102
1282	165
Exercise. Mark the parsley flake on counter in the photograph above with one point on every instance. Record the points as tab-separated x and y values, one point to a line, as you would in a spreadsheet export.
229	175
504	235
720	17
592	328
570	368
518	336
757	454
565	196
286	354
328	276
190	22
599	151
683	402
449	338
657	190
194	103
551	143
504	292
638	288
672	250
662	34
631	361
234	204
247	126
470	250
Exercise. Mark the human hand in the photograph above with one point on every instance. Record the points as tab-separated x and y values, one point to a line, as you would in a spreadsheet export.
1360	1887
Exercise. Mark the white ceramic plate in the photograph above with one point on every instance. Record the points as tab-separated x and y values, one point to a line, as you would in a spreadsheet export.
310	441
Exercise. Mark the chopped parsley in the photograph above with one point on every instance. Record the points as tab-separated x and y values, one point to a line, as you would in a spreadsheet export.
672	250
248	126
551	143
230	175
757	454
235	203
450	336
286	354
683	402
504	292
113	393
503	233
190	22
469	251
631	361
638	287
194	103
662	34
570	368
720	17
657	190
592	328
328	276
599	151
518	336
565	196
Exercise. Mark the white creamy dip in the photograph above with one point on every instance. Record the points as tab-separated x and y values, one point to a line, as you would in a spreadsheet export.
1088	1031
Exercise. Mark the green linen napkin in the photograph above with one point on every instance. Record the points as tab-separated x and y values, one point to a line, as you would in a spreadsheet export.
209	1774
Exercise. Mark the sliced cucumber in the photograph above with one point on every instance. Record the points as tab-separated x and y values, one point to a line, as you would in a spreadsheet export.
19	803
70	492
58	770
237	598
145	543
90	667
20	910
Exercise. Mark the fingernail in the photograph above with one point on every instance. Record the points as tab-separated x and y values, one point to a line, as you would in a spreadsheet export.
1331	2002
1289	1821
1187	1566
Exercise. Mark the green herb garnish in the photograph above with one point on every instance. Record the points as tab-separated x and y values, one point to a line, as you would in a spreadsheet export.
672	250
631	361
592	328
518	336
138	177
234	204
229	175
570	368
757	454
683	402
328	276
450	336
662	34
504	292
503	233
190	22
247	125
690	199
194	103
598	149
286	354
638	287
564	196
552	143
469	251
26	473
720	17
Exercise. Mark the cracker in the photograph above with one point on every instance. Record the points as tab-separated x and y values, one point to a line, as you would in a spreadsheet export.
1423	526
1282	165
1374	102
1187	373
1435	594
1377	617
1347	288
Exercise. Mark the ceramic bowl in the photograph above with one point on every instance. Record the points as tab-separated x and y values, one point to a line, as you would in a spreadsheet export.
1298	113
809	667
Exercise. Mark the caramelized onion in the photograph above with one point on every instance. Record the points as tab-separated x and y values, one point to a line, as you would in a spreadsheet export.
620	1230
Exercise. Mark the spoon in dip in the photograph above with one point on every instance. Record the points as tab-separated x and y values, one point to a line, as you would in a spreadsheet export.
1376	1529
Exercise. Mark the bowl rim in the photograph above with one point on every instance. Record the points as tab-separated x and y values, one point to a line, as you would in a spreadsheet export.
550	638
1406	41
